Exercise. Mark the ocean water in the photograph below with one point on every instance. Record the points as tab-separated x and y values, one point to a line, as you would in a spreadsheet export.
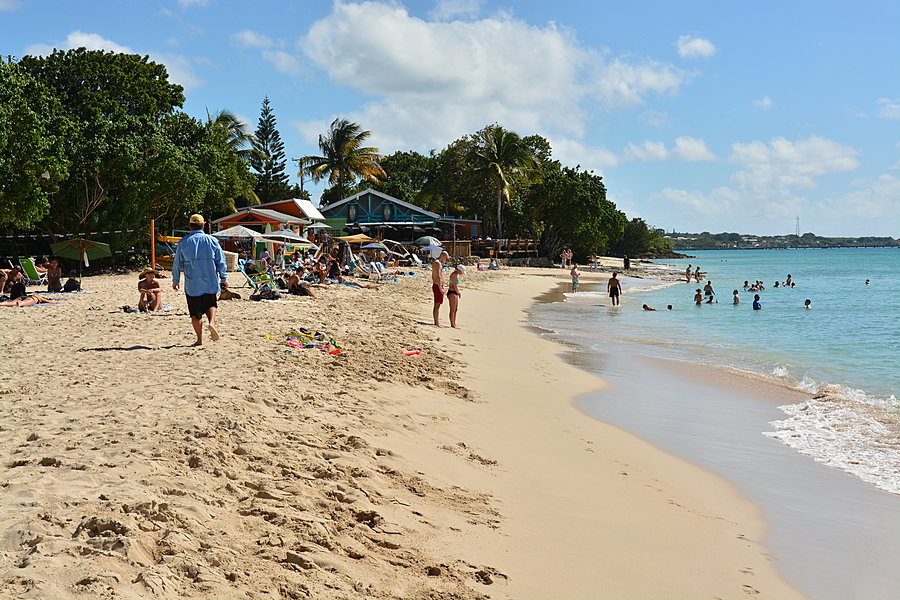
845	351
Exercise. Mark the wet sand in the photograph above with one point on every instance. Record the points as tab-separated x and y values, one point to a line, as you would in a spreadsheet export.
832	535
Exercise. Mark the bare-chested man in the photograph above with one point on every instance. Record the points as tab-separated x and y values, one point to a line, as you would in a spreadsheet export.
614	287
437	285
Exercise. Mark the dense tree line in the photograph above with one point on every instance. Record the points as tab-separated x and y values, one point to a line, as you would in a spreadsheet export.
516	188
94	140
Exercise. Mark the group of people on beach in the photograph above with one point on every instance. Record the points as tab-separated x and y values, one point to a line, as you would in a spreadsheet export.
13	290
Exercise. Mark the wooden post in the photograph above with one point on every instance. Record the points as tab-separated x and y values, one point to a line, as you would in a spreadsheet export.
153	244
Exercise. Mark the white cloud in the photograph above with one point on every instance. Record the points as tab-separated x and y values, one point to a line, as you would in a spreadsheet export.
191	3
591	158
889	108
179	67
9	5
781	165
770	175
690	46
686	148
431	81
763	103
446	10
878	199
284	62
247	38
654	118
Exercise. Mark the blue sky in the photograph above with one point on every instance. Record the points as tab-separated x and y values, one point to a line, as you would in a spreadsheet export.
716	116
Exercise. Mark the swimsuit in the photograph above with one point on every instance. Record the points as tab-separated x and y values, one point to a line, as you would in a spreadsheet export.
438	293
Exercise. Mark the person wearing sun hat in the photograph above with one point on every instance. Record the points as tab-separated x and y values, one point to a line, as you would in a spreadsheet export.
203	262
150	290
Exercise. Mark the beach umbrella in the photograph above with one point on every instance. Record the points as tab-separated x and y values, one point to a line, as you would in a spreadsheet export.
318	226
427	240
285	235
81	250
356	239
238	232
374	245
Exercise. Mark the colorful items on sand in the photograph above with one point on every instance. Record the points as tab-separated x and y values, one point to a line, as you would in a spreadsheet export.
303	339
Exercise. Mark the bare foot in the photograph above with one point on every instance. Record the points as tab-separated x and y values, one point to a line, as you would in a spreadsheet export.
213	332
440	326
456	327
197	343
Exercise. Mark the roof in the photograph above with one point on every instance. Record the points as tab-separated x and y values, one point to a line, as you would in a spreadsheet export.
266	214
386	197
298	207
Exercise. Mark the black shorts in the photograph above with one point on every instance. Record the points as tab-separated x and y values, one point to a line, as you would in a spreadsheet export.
198	305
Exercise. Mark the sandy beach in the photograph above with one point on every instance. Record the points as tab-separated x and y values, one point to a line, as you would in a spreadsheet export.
136	466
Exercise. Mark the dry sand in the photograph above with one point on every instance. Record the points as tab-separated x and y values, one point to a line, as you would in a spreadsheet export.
135	466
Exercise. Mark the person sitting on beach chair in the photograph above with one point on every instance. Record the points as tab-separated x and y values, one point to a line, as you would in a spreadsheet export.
151	292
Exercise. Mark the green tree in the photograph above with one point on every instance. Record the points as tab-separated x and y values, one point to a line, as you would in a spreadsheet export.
269	160
32	153
638	239
344	158
498	155
406	174
569	208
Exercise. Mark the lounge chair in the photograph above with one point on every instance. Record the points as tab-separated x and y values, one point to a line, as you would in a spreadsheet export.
32	277
259	281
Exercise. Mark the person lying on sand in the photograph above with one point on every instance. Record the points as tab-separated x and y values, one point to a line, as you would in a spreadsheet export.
297	286
151	292
28	300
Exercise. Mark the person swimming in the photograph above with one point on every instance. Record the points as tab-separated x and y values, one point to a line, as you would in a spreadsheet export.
737	298
808	304
645	307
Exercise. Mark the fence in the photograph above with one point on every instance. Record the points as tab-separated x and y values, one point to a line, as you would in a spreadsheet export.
121	241
505	248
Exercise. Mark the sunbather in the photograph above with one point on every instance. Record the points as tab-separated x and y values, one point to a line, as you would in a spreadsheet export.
151	292
297	286
54	276
28	300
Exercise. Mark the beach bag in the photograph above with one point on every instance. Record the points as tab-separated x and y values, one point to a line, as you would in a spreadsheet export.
72	285
265	295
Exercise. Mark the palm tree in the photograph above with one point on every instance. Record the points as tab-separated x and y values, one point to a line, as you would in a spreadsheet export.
344	158
499	154
238	139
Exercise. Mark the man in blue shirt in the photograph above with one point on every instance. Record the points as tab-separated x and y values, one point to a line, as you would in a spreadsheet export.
203	262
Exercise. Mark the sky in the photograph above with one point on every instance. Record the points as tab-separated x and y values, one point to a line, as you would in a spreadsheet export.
700	115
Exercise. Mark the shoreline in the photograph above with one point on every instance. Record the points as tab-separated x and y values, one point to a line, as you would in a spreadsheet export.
839	510
145	468
677	511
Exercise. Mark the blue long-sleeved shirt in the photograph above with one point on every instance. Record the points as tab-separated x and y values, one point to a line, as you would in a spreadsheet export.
203	262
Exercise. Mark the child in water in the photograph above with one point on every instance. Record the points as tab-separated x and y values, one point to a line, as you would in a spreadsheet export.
575	275
737	298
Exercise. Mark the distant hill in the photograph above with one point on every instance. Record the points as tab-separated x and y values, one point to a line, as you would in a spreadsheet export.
725	241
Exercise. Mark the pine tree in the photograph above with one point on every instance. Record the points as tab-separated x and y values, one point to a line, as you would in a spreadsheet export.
269	161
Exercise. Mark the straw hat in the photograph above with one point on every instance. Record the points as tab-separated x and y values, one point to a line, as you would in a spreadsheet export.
148	271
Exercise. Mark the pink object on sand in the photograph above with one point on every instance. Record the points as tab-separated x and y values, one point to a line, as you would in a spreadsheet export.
294	343
411	352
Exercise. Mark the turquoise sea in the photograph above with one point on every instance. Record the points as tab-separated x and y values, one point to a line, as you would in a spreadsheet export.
845	351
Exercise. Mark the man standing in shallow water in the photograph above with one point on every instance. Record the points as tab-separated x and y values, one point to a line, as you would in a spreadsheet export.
437	285
614	287
202	260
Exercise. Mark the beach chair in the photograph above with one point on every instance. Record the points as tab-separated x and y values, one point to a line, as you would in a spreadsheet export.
32	277
259	281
